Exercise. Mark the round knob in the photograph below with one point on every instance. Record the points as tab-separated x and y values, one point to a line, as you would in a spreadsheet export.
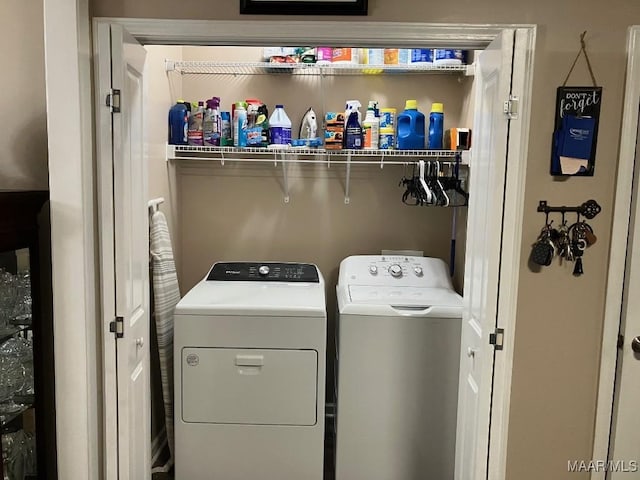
373	269
140	342
635	344
471	352
395	270
264	270
418	271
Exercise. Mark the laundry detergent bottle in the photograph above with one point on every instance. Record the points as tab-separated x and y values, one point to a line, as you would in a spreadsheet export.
178	124
436	126
411	128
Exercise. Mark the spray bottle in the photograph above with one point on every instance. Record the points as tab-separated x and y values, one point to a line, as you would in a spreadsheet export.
212	123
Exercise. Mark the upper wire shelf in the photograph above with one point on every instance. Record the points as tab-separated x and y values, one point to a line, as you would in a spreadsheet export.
263	68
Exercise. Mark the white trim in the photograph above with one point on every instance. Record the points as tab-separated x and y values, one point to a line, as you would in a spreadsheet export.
522	87
71	177
259	32
618	252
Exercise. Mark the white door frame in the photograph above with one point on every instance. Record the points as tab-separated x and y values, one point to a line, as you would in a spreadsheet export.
618	252
62	64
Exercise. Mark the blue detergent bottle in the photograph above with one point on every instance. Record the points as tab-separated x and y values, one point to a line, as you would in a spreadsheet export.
178	124
411	128
436	126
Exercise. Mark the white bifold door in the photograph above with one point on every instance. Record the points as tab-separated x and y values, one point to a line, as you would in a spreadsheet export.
624	449
482	263
124	245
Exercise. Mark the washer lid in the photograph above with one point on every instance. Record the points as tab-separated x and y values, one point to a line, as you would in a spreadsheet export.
254	298
401	301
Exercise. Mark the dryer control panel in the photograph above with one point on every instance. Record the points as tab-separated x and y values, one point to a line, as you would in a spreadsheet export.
264	272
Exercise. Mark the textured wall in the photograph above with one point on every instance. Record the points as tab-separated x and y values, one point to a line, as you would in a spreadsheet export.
23	135
559	320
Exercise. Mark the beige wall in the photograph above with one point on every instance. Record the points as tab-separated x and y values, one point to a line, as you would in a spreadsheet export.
161	92
23	136
559	319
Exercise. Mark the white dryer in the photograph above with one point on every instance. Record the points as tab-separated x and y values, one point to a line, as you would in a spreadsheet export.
398	334
249	356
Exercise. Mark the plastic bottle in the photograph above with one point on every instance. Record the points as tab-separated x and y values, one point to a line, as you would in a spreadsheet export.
346	55
226	137
371	129
353	106
411	128
436	126
353	132
421	56
195	134
263	121
449	57
178	124
324	55
212	124
279	128
240	125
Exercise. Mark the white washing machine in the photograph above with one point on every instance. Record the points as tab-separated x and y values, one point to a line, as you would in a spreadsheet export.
249	356
398	334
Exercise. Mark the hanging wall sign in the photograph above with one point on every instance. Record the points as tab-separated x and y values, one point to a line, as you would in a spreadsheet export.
577	116
576	130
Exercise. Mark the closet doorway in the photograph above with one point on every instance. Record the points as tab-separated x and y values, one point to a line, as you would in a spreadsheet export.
500	99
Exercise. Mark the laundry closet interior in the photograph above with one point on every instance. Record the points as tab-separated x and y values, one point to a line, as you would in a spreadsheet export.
225	206
306	206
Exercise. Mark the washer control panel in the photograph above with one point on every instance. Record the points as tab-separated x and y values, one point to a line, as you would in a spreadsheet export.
264	272
394	270
396	267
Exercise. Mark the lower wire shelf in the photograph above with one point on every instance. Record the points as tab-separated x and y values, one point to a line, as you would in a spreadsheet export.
286	156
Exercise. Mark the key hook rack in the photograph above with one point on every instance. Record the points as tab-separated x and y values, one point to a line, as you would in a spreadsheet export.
588	209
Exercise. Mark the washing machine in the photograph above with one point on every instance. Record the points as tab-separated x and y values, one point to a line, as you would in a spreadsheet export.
398	334
249	357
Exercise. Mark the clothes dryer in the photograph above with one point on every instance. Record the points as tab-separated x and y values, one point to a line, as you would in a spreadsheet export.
249	357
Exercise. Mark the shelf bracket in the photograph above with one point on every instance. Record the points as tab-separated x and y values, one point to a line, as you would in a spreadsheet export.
169	65
285	179
347	200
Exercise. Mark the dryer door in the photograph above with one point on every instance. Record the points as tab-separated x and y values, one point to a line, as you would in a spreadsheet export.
249	386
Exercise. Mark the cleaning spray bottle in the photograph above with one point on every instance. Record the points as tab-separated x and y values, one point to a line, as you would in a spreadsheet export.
352	106
212	123
353	132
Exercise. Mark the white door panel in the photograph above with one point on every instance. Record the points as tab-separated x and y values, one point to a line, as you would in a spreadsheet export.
482	263
124	231
625	434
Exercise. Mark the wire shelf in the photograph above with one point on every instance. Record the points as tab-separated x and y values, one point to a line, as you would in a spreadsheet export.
264	68
309	155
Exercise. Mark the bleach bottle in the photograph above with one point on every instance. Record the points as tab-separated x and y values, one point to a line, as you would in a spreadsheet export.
411	128
178	124
279	128
436	126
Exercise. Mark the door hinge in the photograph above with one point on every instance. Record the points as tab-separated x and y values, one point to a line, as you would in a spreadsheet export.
497	338
511	107
113	100
620	341
117	327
